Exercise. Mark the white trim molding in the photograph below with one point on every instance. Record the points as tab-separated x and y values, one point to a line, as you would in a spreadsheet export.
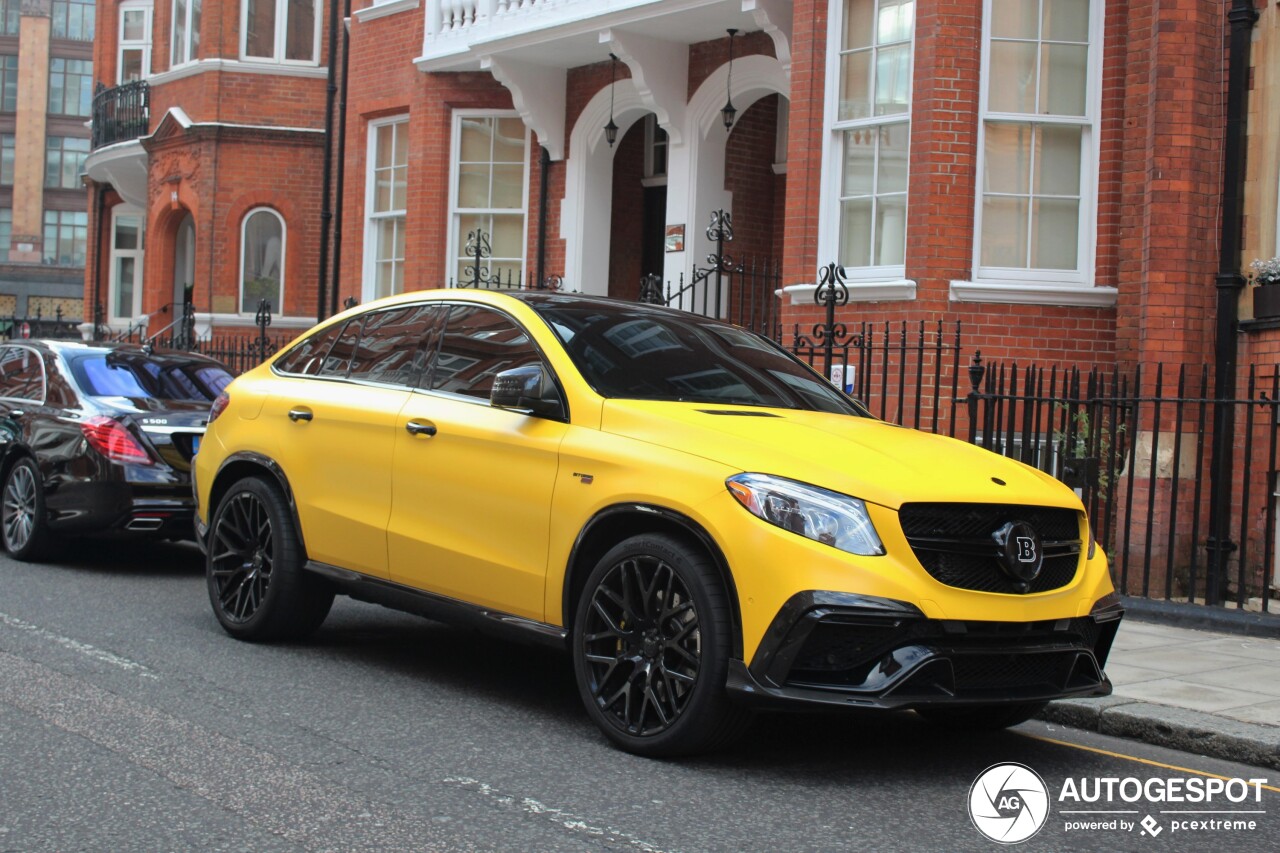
203	66
382	10
901	290
242	321
1034	294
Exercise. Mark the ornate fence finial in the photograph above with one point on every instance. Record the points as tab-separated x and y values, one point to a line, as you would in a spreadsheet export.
350	302
976	371
651	289
832	290
263	320
478	249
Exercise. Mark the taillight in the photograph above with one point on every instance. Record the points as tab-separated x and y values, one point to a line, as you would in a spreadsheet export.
219	406
110	438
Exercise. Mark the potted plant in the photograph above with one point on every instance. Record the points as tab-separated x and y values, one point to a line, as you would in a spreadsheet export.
1266	296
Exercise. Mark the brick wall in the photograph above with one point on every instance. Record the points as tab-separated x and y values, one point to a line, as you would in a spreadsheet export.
749	158
383	83
218	177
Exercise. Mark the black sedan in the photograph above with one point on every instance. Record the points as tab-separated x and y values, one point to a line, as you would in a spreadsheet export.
98	438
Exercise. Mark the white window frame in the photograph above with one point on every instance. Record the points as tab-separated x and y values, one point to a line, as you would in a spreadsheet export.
190	43
371	219
137	254
284	255
146	7
281	32
1090	124
455	213
833	167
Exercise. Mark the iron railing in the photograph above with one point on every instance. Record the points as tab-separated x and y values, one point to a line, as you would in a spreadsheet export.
742	291
1138	450
58	327
121	113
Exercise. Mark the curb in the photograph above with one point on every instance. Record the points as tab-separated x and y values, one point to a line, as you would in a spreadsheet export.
1176	728
1201	617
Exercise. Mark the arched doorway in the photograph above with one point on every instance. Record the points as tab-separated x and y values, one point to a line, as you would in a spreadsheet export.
184	260
639	207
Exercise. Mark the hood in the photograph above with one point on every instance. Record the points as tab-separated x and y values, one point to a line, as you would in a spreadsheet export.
862	457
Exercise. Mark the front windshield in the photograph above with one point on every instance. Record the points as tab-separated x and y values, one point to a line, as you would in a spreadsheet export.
641	353
138	376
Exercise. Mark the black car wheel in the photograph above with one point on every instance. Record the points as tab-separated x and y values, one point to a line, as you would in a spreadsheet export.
22	518
257	585
651	641
982	718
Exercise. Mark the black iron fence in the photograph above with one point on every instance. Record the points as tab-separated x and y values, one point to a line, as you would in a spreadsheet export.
1138	448
742	291
120	113
482	273
237	351
14	327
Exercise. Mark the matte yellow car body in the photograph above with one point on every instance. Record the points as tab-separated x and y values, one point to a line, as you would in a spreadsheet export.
488	510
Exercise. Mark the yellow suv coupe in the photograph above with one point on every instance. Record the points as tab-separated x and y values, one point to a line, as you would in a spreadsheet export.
703	520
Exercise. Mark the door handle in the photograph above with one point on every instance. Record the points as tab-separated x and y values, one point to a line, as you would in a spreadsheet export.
419	428
300	414
16	413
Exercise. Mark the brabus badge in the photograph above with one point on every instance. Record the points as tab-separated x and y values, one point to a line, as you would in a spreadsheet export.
1020	553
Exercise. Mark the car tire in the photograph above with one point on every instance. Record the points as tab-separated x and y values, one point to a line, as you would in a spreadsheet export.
254	567
982	718
23	520
651	640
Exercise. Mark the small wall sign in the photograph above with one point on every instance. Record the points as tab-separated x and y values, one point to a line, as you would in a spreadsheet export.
675	238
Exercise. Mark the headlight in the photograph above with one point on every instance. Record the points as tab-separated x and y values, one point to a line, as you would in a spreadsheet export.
827	517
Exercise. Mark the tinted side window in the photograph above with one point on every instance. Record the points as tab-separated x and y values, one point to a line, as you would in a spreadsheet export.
394	344
21	374
478	344
308	356
338	361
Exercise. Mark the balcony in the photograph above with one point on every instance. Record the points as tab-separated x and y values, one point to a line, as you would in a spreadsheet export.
462	35
120	114
121	118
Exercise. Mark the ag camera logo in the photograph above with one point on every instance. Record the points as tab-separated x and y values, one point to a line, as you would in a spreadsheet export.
1009	803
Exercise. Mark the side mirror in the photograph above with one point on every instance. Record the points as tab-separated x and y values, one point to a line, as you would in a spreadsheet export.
526	389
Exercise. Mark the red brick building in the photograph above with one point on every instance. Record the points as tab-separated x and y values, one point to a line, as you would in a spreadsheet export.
1049	173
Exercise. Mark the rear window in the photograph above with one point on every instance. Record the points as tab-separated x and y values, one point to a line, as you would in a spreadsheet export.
158	377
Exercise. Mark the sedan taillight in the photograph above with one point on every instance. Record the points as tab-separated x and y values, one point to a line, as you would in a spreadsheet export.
110	438
219	406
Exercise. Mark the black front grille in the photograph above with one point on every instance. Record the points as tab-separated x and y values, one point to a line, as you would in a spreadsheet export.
964	658
954	544
991	672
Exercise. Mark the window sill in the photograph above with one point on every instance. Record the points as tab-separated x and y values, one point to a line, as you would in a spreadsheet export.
201	66
382	10
1034	294
897	290
242	321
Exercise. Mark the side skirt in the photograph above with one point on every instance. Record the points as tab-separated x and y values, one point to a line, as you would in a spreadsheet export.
442	609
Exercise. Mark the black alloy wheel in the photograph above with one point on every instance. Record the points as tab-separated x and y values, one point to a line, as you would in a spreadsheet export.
257	586
651	648
22	514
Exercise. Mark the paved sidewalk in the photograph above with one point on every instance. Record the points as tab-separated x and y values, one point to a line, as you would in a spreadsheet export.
1212	692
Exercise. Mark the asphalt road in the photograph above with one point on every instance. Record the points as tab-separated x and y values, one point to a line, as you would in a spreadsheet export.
130	722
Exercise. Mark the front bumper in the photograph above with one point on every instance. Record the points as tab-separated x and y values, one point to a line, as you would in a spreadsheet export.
852	651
